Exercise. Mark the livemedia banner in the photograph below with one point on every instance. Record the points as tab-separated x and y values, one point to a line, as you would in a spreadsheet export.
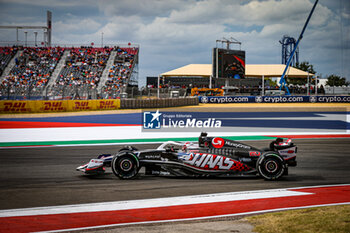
158	121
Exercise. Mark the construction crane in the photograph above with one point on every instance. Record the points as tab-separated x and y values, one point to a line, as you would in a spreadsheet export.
228	42
283	80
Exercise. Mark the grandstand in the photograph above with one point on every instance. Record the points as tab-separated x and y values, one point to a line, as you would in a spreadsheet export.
65	73
120	72
84	66
33	67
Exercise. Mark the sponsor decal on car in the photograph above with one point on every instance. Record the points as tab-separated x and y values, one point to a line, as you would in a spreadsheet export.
288	152
218	142
94	163
254	153
237	145
212	162
152	156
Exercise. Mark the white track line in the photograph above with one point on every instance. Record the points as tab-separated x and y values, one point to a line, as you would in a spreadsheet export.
148	203
191	219
135	132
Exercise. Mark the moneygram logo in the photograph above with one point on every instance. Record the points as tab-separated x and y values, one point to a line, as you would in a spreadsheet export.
152	120
218	142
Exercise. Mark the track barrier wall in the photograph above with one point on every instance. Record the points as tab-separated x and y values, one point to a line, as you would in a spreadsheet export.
42	106
274	99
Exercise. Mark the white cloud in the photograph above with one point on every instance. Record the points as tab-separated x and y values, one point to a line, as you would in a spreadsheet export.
121	28
49	3
141	8
179	33
204	12
76	26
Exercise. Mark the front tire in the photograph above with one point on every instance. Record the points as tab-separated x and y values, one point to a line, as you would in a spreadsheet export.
271	166
125	165
128	148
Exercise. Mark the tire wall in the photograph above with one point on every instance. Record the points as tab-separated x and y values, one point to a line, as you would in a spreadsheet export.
157	103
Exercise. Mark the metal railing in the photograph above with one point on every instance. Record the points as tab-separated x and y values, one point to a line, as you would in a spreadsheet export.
86	91
49	93
21	93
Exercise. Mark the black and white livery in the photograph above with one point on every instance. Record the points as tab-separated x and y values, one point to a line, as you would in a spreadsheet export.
210	156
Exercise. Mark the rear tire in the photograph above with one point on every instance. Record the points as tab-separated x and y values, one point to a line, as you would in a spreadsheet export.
271	166
125	165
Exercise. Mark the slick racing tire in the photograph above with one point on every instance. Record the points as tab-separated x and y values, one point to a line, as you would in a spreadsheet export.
271	166
128	148
125	165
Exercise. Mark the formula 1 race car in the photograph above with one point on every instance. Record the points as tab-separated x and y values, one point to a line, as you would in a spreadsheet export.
210	156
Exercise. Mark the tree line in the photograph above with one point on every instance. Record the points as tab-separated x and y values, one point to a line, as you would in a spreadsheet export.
332	80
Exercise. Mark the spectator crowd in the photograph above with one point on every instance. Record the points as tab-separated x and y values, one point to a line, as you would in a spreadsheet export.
119	73
6	54
84	66
33	67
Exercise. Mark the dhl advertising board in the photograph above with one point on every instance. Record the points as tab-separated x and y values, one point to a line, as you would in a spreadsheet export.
41	106
107	104
52	106
86	105
17	106
81	105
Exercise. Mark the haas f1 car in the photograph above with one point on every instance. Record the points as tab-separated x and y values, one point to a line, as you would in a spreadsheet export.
210	156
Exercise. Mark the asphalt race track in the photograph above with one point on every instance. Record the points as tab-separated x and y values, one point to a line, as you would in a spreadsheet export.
34	177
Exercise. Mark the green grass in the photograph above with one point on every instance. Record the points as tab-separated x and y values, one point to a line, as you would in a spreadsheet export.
323	219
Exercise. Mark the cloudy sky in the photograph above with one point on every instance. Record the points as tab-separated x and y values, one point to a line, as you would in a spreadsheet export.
173	33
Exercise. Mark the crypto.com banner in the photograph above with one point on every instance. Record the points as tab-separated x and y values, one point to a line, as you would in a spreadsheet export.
274	99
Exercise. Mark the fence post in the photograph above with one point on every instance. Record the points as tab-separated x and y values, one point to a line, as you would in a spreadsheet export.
158	83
